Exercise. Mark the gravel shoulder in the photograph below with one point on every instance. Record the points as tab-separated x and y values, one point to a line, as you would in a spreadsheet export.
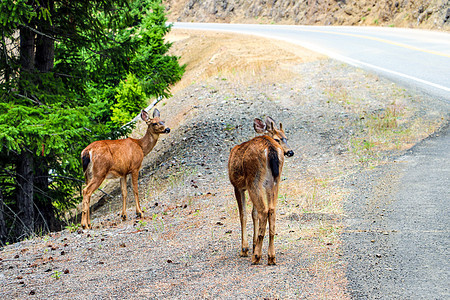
339	120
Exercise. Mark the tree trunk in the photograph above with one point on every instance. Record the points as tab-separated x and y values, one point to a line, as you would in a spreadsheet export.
3	230
24	167
25	191
45	56
46	219
45	45
27	38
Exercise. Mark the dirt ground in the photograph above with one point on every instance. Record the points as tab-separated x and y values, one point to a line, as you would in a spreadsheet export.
339	120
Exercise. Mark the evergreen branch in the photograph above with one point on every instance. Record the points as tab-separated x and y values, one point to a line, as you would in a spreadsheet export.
16	217
67	177
32	100
39	32
38	190
42	216
99	53
146	109
66	75
3	145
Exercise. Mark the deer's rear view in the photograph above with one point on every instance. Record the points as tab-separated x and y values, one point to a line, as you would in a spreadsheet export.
118	158
256	166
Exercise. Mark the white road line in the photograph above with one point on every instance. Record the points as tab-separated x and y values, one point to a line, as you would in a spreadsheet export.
332	54
354	62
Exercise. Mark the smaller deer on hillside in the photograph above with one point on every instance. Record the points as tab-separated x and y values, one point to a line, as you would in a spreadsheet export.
256	166
118	158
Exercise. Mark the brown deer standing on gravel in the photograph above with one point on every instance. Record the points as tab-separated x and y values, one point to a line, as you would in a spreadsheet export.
256	166
118	158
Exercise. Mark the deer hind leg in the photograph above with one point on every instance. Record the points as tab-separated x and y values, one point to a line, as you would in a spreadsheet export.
134	181
255	226
272	195
258	201
271	251
123	187
242	207
92	185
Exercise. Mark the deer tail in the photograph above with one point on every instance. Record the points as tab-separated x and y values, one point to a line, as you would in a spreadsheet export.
274	162
86	160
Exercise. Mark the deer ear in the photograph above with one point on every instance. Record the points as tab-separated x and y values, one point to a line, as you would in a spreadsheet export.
270	124
156	113
281	127
144	115
259	125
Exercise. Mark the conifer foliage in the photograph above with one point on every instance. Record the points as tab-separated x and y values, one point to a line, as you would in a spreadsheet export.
61	64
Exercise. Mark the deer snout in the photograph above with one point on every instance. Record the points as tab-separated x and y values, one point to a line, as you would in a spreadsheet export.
289	153
167	130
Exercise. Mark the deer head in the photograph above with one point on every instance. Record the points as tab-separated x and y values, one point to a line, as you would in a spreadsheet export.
278	135
155	125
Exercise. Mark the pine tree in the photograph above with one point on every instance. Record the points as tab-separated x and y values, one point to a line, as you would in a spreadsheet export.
61	63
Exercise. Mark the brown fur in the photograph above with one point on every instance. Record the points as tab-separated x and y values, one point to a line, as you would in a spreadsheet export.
256	166
118	158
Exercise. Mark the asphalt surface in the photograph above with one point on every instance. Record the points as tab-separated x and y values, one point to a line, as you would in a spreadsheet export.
397	238
417	59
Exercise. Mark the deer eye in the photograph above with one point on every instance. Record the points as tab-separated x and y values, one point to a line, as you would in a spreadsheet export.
277	140
154	124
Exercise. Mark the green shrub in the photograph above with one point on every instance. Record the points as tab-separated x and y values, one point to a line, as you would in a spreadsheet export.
130	100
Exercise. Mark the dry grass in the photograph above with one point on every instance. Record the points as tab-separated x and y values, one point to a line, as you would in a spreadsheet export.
391	121
235	57
314	195
392	128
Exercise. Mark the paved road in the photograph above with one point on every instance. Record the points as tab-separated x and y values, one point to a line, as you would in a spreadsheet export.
397	241
415	58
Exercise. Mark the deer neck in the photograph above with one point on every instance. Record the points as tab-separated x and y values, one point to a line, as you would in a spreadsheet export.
148	141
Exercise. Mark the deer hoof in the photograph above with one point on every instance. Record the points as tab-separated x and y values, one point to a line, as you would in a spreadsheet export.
85	225
255	259
244	252
139	215
272	261
124	217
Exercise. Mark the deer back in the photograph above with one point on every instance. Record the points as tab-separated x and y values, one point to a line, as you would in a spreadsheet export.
254	161
116	157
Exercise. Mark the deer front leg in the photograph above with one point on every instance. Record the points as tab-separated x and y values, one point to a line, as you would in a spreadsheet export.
240	197
134	180
123	187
